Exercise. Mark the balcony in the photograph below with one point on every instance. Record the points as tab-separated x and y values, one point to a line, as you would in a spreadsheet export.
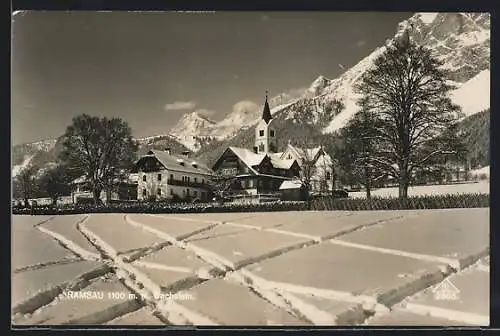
190	184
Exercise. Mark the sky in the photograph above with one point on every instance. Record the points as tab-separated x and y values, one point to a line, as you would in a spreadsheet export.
149	68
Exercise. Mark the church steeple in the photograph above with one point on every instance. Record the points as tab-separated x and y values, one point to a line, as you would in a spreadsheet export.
266	112
265	133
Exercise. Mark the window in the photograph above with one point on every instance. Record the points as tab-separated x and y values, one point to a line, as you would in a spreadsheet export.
171	191
202	181
171	176
261	147
144	178
159	177
195	180
261	133
144	192
250	183
272	133
289	157
188	179
158	192
187	192
328	175
195	193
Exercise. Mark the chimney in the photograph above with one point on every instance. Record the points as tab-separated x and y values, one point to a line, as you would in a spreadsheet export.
185	153
168	150
255	149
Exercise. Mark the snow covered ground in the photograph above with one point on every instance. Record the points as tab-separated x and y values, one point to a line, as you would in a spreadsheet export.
197	281
16	169
481	171
462	188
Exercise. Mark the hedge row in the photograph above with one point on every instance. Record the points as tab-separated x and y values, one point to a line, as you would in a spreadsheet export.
162	208
412	203
325	203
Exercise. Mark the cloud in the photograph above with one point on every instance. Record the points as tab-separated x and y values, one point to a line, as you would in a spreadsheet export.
180	105
245	107
360	43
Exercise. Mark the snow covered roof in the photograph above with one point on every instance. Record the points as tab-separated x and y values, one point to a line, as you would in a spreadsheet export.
282	163
307	153
247	156
178	162
293	184
252	159
81	179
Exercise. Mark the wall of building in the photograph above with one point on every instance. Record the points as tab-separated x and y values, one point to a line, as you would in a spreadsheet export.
152	184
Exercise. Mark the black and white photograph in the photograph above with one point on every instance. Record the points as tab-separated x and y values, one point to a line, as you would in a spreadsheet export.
258	168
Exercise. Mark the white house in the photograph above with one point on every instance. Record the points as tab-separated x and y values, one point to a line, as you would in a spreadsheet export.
320	163
164	175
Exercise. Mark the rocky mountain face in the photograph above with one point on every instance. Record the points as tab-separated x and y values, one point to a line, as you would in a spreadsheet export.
44	154
461	40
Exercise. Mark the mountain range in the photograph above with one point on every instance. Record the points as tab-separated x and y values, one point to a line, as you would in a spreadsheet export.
460	40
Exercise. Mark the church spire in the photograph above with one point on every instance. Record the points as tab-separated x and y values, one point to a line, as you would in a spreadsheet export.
266	113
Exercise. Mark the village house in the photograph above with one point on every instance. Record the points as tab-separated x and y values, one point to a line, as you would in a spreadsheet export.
263	170
163	175
318	163
125	189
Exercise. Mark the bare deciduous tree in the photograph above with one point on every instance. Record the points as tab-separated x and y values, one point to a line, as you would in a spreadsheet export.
103	148
407	89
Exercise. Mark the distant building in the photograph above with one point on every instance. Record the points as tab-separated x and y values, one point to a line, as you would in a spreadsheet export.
163	175
293	190
322	179
125	189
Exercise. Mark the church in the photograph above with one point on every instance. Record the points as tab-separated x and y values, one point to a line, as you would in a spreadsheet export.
262	169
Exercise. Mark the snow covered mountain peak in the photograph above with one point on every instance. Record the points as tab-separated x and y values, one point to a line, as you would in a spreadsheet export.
192	123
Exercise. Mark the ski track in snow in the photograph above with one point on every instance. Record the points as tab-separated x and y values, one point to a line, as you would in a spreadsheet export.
139	283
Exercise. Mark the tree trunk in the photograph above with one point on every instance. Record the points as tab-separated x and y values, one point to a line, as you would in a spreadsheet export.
108	195
403	187
97	195
368	184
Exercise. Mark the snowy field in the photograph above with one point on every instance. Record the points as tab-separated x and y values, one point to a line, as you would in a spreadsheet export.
462	188
140	269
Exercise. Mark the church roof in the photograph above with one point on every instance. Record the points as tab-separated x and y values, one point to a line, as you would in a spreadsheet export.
266	112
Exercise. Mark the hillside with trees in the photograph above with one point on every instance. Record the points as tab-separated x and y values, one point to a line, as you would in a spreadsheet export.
476	133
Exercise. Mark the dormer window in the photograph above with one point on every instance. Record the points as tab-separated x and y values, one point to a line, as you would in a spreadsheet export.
180	161
261	133
194	164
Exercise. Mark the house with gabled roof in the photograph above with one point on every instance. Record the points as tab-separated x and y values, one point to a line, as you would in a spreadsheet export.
163	175
318	161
